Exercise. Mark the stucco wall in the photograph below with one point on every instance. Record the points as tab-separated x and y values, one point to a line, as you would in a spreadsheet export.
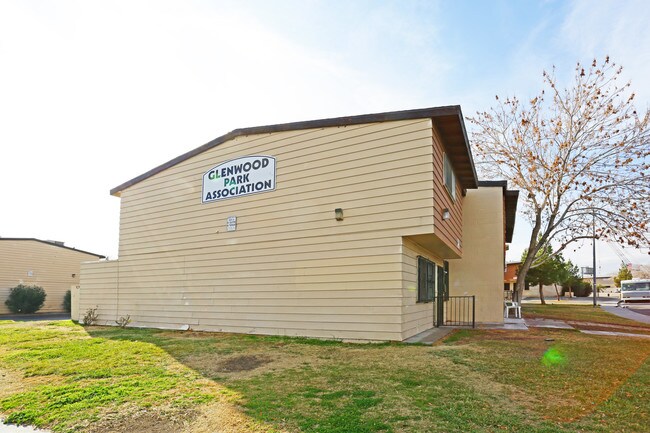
480	271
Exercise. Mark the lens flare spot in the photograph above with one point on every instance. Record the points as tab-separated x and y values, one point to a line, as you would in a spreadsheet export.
552	356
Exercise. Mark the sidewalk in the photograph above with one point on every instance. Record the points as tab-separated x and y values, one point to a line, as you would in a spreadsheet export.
627	313
430	336
433	335
11	428
614	334
600	300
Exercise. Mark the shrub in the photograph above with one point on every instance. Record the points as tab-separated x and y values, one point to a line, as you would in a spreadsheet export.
578	287
90	317
67	302
583	290
123	321
25	299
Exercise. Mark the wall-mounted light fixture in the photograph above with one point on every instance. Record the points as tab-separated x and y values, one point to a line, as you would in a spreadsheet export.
338	214
446	214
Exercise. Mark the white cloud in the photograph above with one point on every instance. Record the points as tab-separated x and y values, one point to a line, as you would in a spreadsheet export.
619	29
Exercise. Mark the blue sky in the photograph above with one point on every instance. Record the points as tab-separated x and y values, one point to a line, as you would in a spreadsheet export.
93	93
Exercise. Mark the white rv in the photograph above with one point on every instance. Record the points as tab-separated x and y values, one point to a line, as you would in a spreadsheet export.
635	291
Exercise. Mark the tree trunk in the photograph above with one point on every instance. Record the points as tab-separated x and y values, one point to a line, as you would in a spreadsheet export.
556	291
541	294
521	278
533	247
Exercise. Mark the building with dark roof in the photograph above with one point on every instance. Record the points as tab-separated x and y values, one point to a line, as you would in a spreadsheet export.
35	262
363	227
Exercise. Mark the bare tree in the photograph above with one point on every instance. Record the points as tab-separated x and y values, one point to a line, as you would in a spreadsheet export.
580	156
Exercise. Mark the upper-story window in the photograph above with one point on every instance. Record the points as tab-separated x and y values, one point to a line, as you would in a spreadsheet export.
450	178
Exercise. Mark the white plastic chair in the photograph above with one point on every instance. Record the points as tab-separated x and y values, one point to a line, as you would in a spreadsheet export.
511	305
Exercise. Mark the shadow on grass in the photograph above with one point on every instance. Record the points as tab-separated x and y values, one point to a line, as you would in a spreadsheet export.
479	381
323	386
273	377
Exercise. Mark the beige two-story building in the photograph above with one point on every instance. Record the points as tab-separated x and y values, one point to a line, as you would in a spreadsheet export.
47	264
362	227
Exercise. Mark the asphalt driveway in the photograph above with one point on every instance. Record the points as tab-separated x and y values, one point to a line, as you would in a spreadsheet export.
36	316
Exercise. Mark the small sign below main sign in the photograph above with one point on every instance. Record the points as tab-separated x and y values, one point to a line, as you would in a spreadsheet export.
231	223
238	177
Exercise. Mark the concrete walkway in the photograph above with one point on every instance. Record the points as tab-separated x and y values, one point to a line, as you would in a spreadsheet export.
509	324
11	428
430	336
547	323
614	334
628	313
433	335
600	300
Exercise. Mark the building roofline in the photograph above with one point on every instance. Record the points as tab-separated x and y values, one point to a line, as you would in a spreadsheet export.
53	244
502	183
448	119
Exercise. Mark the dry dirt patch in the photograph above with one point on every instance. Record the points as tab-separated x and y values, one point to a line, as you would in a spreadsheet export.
222	417
248	364
144	421
12	382
242	363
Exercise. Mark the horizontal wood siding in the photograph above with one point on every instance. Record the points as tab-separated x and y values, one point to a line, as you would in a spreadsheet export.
447	230
290	268
99	283
54	268
416	316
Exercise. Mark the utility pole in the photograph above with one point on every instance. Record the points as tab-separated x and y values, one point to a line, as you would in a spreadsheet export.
593	245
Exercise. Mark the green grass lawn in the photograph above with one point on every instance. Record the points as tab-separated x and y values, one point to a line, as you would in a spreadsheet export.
99	379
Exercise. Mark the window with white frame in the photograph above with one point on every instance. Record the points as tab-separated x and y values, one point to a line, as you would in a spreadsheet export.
449	177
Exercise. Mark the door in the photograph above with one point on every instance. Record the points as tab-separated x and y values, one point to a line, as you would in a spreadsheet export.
442	293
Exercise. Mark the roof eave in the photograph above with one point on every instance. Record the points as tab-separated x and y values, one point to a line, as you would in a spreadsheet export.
53	244
511	199
463	155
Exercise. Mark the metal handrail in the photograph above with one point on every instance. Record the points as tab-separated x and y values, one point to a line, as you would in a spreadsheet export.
459	311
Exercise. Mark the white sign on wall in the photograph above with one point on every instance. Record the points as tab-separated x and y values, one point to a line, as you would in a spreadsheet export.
231	223
239	177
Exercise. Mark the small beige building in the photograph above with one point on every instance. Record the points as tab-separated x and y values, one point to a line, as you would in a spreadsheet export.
48	264
368	227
